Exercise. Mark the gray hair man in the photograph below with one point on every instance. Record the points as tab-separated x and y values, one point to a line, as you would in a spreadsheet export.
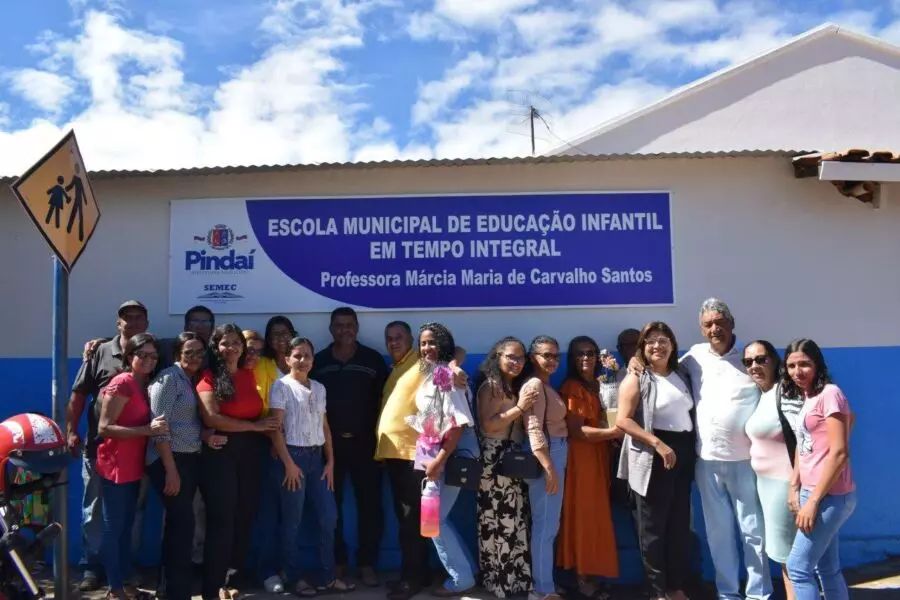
725	397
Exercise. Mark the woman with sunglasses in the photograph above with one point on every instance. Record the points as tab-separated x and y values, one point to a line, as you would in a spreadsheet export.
772	443
587	542
545	424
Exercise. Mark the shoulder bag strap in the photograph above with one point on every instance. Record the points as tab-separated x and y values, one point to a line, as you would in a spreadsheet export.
790	439
544	420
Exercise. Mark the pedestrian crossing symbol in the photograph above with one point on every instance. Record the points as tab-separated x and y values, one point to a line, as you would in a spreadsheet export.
57	195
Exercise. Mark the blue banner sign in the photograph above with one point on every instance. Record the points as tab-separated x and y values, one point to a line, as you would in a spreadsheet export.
463	252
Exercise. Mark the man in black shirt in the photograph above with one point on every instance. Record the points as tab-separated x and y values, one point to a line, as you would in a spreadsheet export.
354	377
94	375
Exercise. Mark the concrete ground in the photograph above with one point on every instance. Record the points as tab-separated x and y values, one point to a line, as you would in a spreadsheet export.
879	581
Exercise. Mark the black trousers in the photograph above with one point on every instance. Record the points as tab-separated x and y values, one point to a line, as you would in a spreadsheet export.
355	456
406	490
178	529
664	516
230	481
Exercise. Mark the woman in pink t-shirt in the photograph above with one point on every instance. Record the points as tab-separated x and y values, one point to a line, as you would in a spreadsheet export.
124	427
822	493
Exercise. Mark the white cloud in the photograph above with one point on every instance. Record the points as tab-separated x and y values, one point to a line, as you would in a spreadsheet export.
546	27
45	90
486	14
435	95
429	26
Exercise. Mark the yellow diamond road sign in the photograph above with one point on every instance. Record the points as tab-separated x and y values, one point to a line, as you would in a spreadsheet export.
57	195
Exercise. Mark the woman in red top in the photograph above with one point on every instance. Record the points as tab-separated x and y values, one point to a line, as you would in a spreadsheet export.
125	425
230	473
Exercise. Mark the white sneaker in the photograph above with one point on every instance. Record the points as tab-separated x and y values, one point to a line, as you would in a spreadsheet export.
274	585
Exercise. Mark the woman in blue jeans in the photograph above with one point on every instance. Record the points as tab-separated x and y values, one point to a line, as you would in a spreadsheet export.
444	422
545	424
822	491
302	472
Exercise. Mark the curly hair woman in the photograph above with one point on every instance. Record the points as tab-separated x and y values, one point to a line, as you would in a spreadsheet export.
229	474
503	515
444	422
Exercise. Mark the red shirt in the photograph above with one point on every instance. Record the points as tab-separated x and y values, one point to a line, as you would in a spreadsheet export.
122	460
246	404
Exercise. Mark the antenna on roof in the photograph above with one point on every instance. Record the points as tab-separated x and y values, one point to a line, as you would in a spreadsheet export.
530	107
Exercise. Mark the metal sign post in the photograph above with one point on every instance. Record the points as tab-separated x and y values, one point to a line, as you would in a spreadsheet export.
57	194
60	388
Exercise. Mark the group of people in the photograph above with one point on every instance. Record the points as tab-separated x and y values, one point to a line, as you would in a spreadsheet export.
240	432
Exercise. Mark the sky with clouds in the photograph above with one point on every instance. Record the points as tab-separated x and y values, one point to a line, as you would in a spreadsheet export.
157	84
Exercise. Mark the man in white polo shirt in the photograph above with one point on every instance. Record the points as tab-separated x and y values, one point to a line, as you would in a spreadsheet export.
725	397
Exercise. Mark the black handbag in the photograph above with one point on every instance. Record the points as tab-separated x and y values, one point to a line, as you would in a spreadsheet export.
463	471
517	463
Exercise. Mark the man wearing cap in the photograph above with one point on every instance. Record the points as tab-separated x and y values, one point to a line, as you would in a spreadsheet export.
94	375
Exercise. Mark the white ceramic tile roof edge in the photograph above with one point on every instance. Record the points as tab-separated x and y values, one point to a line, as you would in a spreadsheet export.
721	75
449	162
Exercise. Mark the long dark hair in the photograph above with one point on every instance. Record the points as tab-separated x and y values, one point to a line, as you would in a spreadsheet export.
444	339
224	386
573	371
529	370
490	372
657	327
267	337
133	344
808	347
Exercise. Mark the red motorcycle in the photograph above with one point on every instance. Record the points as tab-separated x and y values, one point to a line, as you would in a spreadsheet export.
31	444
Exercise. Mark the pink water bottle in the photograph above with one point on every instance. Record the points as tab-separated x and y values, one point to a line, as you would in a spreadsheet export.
430	517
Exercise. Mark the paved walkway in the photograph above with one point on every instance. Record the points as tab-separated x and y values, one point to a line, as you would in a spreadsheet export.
879	581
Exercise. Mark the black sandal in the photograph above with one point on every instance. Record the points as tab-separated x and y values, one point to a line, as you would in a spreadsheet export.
304	590
337	586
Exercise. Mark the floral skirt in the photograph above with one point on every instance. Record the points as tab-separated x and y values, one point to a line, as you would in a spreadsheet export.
504	523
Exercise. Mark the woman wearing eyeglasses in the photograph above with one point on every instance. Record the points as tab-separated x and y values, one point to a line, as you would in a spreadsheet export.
124	426
271	363
656	413
772	443
587	542
173	460
503	515
545	424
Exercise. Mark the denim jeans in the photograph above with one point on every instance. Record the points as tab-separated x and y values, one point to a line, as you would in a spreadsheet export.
728	495
545	514
818	550
118	517
91	518
451	549
281	512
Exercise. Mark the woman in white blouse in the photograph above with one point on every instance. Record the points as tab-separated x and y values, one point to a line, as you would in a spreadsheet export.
444	422
302	472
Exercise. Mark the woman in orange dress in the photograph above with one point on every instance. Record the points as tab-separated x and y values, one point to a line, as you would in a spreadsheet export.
587	541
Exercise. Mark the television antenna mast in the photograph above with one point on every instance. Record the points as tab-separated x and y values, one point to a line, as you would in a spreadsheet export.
531	107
